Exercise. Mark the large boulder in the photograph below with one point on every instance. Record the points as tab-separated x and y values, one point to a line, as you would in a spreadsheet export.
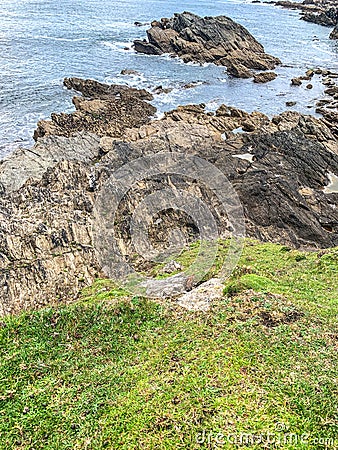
217	40
264	77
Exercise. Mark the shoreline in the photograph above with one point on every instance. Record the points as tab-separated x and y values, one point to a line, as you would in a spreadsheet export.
48	252
174	100
281	170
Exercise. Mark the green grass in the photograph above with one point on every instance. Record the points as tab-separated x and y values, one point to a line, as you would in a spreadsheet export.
115	372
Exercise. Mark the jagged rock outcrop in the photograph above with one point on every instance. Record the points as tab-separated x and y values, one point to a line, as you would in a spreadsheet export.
99	110
327	17
46	252
280	169
24	164
217	40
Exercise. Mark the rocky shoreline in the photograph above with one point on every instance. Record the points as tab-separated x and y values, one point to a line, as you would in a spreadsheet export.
321	12
281	169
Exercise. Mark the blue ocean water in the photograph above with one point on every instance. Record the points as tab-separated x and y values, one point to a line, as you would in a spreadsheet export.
43	41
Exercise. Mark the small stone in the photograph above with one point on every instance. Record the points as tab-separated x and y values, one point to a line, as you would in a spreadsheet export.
248	126
106	144
129	71
296	81
201	297
264	77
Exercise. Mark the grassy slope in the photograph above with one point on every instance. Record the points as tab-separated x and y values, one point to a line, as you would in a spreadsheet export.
127	373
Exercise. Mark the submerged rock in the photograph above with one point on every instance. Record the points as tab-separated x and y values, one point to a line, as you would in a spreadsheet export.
130	72
327	16
217	40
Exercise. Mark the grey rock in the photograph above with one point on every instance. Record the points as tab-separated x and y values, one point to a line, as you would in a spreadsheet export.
168	287
217	40
26	164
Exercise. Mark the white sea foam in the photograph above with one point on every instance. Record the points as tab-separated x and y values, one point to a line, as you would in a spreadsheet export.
159	115
169	98
213	105
55	38
119	46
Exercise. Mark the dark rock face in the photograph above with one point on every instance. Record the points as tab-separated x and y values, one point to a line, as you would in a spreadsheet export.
217	40
280	169
328	17
334	33
105	110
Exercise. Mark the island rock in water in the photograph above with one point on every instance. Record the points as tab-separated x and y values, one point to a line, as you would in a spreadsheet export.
217	40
